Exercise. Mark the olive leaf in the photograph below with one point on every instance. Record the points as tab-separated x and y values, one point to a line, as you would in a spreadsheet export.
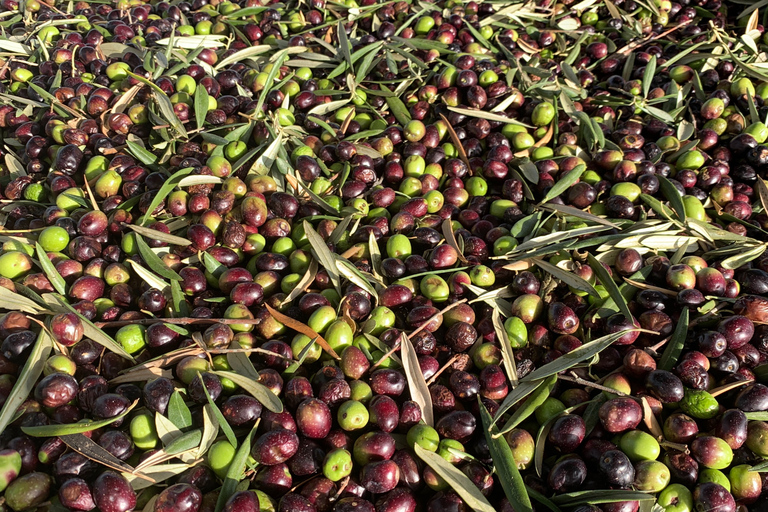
154	234
219	417
50	271
161	194
148	277
534	401
256	389
236	470
504	463
571	499
154	262
89	449
568	278
323	255
25	383
141	154
675	345
210	430
303	329
180	306
575	356
450	239
201	105
610	286
416	382
14	302
74	428
564	183
93	332
167	431
457	480
185	442
575	212
522	391
508	357
673	196
159	473
178	412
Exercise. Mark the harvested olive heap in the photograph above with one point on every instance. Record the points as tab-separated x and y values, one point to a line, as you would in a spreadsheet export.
396	256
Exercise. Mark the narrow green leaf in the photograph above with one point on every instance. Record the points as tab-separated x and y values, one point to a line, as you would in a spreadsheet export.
50	271
223	424
166	189
673	196
648	74
522	391
180	306
610	286
154	234
457	480
534	401
738	260
258	390
73	428
201	105
505	465
675	345
564	183
236	470
399	110
575	212
572	499
507	356
25	383
210	430
96	334
341	33
279	58
140	153
323	255
575	356
568	278
154	262
353	274
185	442
542	499
178	412
416	382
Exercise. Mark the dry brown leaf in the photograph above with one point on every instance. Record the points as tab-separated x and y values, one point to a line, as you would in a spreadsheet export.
645	286
650	419
728	387
457	142
303	329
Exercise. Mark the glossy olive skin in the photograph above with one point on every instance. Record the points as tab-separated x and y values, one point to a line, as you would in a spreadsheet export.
617	469
179	498
112	493
620	414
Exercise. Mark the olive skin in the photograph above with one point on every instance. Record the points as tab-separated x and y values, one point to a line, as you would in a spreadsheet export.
713	497
179	498
620	414
617	469
28	491
113	493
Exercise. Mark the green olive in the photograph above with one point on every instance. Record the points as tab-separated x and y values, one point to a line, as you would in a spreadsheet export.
423	435
638	445
14	264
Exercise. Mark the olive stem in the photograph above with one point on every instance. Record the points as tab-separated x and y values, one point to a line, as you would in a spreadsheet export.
579	380
418	330
442	369
177	321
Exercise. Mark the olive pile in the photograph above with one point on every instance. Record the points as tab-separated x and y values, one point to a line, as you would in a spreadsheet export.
383	256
